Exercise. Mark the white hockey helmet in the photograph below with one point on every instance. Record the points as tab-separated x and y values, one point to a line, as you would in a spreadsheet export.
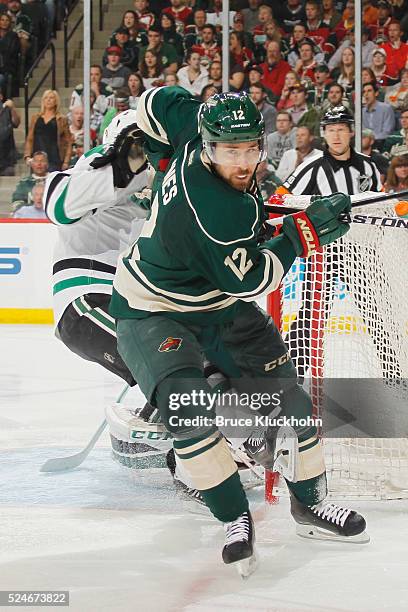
120	122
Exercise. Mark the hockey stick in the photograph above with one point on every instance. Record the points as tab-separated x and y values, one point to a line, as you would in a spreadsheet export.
288	210
59	464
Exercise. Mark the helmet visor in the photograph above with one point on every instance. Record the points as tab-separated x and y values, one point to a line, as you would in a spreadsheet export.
236	153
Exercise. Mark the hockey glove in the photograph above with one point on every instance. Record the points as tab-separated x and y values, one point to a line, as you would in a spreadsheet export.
126	156
318	225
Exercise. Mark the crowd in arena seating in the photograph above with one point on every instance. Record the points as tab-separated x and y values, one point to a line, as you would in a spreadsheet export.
296	59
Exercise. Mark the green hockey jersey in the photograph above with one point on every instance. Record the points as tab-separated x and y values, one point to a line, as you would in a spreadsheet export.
197	256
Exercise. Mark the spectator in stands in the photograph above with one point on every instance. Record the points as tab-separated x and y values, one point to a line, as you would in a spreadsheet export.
348	17
316	29
265	15
301	112
104	97
367	76
367	144
347	74
156	6
193	77
77	151
214	14
384	74
49	132
400	136
236	75
136	88
39	172
282	140
396	50
254	75
397	95
400	13
299	37
130	51
145	17
397	175
377	116
367	48
273	32
208	46
36	209
151	69
180	12
330	17
238	26
171	36
9	56
21	25
77	122
136	31
285	101
9	120
171	79
290	14
370	13
215	75
336	96
250	15
306	64
192	31
292	158
208	91
41	28
114	73
258	95
274	69
97	85
379	30
165	53
241	55
317	92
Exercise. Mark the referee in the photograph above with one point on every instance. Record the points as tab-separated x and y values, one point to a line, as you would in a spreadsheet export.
339	168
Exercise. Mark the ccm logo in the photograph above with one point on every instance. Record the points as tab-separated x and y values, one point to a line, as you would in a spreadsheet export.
9	265
308	236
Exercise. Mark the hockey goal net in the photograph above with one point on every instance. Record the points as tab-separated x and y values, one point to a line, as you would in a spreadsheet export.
343	314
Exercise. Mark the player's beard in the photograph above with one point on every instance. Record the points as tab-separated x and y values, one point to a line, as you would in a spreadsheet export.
240	180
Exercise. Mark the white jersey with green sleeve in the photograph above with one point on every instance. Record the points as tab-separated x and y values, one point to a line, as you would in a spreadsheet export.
96	221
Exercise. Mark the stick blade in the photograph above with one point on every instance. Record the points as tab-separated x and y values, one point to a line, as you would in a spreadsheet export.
61	464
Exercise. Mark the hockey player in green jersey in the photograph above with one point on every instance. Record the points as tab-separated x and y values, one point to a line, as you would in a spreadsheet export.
188	286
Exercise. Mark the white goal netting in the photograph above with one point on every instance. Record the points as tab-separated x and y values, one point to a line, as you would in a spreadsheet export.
344	315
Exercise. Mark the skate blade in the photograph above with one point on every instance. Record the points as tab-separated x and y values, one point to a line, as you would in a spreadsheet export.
315	533
246	567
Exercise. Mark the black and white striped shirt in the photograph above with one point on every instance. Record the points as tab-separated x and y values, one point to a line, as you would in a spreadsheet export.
325	175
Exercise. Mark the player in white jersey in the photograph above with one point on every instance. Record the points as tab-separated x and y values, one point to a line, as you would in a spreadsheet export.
96	220
98	216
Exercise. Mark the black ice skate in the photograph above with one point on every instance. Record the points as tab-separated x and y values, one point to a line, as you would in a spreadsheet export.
186	491
328	521
239	545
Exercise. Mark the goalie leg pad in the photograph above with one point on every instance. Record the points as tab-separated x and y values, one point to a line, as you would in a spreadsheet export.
137	442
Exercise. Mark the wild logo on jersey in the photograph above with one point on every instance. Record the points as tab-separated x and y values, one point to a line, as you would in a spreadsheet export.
170	344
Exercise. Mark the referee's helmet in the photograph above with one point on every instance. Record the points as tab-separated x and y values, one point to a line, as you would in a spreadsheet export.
337	114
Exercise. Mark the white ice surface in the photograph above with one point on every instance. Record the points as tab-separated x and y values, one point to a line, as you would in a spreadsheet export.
123	540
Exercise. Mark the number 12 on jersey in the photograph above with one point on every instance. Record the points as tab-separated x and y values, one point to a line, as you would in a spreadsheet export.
244	264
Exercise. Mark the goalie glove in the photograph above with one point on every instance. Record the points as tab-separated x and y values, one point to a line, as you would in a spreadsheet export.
125	155
318	225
